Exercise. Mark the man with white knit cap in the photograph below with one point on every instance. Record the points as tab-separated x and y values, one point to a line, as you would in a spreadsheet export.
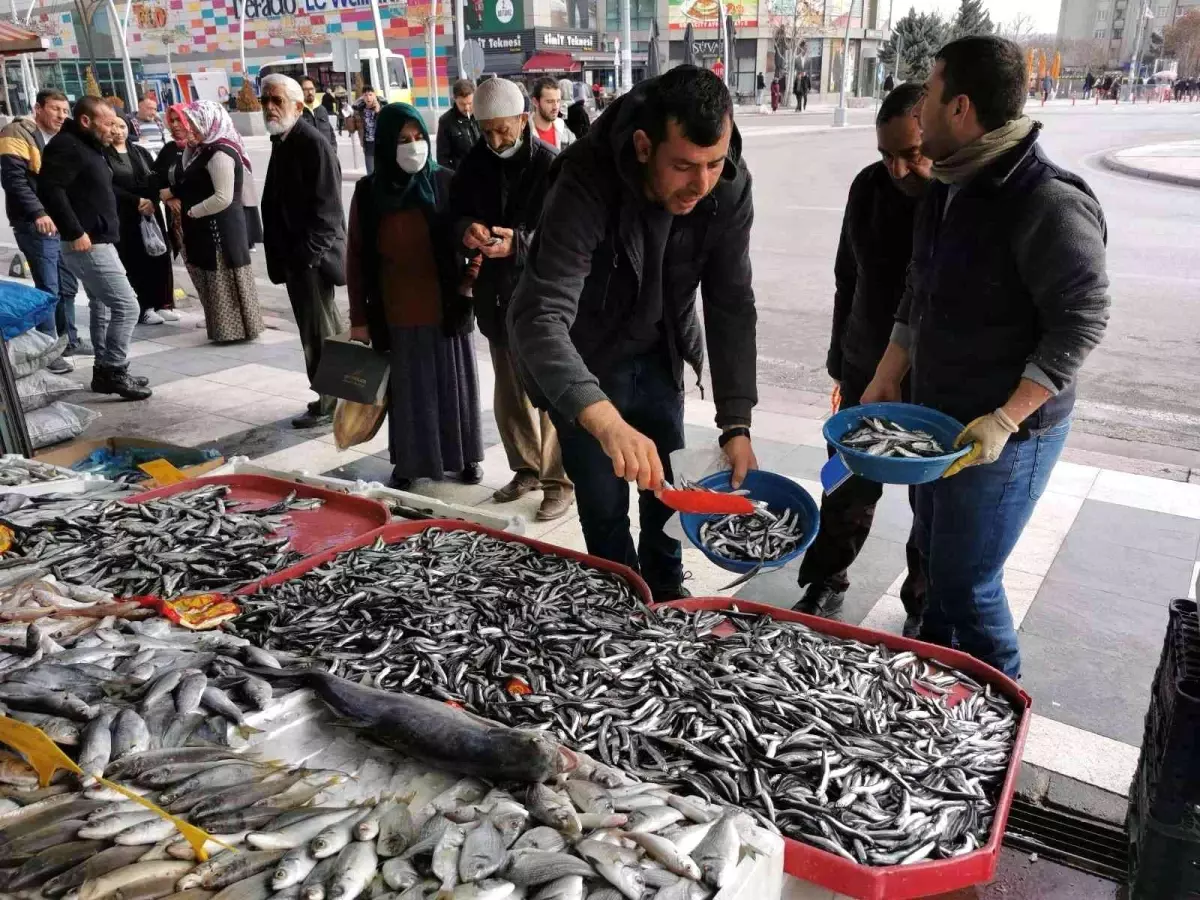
496	198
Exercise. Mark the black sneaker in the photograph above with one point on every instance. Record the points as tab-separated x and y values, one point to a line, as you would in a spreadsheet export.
312	419
472	474
117	381
82	348
399	482
822	600
912	626
678	592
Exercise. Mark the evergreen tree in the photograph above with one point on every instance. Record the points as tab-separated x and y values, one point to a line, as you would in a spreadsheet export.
91	87
918	36
970	19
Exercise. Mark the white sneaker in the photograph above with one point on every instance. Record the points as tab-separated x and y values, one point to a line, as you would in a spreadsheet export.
168	315
150	317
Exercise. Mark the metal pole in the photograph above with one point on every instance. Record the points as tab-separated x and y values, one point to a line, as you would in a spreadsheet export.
460	36
383	60
130	86
724	43
839	114
899	56
626	48
431	62
303	56
241	8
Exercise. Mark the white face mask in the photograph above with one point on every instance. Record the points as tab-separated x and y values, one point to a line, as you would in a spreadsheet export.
413	156
507	152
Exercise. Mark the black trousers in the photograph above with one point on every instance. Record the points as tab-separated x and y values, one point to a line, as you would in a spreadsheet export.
311	296
846	517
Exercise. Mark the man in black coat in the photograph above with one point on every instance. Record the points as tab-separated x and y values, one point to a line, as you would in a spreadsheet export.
458	129
304	228
652	204
316	114
76	189
497	204
872	258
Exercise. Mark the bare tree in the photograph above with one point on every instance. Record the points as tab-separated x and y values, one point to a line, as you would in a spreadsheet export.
1018	28
1084	53
791	21
1182	41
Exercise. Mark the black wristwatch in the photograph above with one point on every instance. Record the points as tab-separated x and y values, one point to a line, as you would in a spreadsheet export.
727	436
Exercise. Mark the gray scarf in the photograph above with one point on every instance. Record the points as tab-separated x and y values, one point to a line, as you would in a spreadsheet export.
962	165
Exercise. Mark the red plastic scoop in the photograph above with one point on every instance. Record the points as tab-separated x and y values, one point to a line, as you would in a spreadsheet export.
707	503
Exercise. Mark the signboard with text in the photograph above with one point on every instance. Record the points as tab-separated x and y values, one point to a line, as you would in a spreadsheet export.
493	16
707	13
273	9
493	43
565	41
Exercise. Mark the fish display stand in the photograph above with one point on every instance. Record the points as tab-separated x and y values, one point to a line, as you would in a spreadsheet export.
399	531
919	879
398	502
299	730
339	519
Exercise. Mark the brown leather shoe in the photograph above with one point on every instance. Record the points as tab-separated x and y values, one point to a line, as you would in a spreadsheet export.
555	505
522	483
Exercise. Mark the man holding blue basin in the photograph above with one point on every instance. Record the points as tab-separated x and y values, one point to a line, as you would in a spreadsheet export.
1007	294
872	259
651	204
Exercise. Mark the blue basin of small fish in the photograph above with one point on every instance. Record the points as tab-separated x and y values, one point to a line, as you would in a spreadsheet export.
779	494
890	469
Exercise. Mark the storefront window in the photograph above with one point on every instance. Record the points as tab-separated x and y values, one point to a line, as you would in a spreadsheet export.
640	14
578	15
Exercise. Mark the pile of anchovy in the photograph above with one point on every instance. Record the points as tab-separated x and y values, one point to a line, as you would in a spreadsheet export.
16	471
763	536
881	437
846	746
198	540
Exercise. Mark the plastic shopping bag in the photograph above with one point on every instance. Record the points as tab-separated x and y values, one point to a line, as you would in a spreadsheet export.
356	423
152	237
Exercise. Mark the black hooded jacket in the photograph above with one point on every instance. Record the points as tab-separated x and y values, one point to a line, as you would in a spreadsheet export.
578	311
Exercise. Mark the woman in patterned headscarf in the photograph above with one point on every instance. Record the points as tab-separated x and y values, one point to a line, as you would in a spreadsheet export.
213	192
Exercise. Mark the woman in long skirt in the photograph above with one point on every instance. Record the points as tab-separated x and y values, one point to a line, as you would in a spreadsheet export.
403	275
212	188
151	277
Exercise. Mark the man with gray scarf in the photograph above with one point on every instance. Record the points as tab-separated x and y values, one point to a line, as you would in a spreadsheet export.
1006	296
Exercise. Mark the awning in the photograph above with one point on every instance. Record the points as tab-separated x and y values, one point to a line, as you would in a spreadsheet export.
14	40
551	63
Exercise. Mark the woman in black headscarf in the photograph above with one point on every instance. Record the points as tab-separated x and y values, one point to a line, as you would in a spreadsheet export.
403	278
151	277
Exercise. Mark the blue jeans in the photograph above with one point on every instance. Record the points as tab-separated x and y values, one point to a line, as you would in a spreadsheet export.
42	252
966	526
113	304
644	390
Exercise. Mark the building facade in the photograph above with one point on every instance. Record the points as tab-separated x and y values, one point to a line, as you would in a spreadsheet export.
565	38
1100	34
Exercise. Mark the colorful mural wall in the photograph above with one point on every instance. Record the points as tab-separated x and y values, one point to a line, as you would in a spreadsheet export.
706	13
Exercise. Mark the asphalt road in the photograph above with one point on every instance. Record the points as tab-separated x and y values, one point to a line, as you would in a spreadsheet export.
1141	387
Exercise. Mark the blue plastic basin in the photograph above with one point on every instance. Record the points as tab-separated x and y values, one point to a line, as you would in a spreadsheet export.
890	469
779	493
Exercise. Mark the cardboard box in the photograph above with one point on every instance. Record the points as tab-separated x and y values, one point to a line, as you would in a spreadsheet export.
69	454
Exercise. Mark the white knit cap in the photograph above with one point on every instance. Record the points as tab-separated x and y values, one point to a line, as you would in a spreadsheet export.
498	98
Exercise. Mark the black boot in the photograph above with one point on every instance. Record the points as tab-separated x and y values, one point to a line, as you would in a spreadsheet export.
822	600
107	380
472	474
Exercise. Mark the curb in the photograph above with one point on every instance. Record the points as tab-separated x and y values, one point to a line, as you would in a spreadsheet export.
1110	161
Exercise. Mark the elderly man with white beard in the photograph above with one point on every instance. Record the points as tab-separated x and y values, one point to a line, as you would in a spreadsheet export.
304	228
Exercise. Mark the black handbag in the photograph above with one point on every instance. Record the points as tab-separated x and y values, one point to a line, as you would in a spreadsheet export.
352	371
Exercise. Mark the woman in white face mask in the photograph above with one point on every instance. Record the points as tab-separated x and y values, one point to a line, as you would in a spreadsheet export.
403	275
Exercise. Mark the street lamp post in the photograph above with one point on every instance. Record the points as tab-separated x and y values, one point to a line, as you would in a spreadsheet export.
127	64
839	114
626	47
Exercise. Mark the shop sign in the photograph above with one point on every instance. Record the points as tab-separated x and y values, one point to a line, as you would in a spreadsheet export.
704	49
567	40
493	42
274	9
493	16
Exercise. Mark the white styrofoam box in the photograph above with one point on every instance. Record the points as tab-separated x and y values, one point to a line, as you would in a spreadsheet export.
373	490
299	730
71	482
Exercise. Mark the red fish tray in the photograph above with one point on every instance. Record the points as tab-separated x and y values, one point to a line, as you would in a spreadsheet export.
340	518
924	879
399	531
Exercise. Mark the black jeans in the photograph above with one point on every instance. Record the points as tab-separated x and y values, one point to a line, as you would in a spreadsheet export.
645	392
311	296
846	517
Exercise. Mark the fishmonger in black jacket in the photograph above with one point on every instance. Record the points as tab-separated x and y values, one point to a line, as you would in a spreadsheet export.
652	204
872	258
